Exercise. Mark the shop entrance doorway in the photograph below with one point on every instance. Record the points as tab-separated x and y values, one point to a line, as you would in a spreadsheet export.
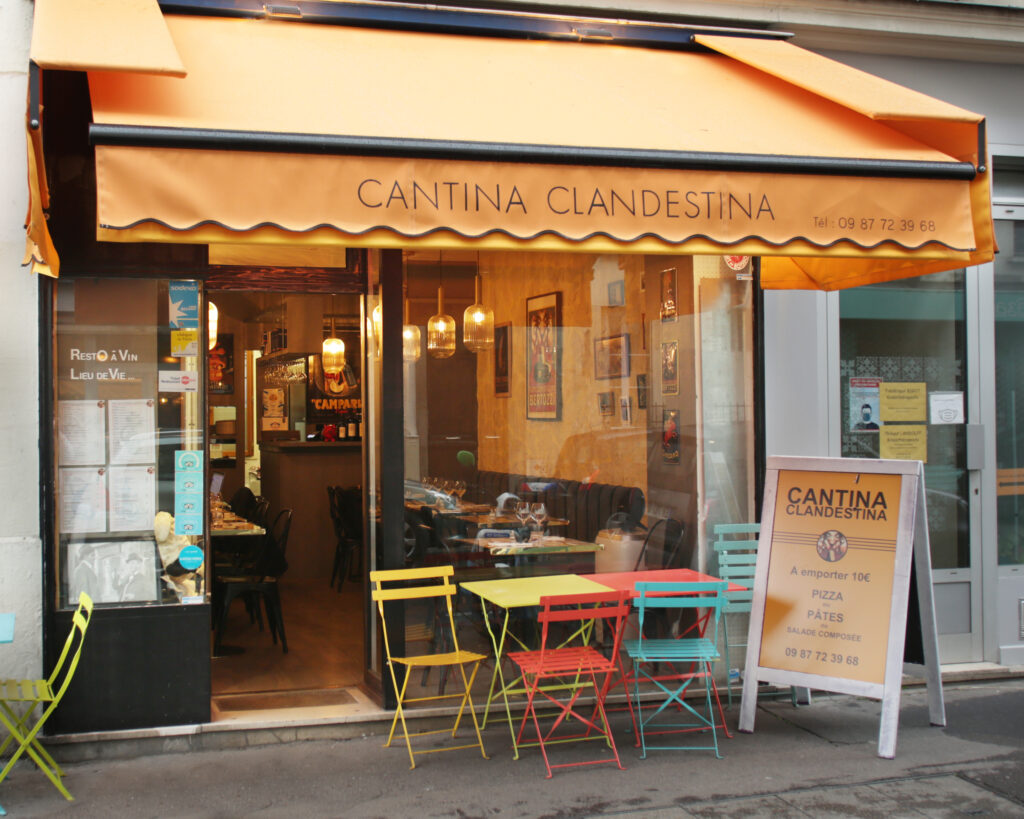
907	390
284	432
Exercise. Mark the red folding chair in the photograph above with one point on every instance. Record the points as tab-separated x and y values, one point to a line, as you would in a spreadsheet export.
560	675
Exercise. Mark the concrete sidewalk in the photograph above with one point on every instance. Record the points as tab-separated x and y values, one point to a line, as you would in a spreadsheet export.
815	761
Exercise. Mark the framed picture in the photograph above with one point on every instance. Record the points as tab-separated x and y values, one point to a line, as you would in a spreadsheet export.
670	368
617	293
670	436
611	357
221	363
502	356
626	410
641	391
668	294
113	571
606	403
544	357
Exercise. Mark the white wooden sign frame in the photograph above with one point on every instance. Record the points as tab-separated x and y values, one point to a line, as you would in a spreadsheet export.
912	542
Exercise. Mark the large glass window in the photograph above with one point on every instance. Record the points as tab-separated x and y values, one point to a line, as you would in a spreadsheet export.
130	471
616	400
903	387
1009	311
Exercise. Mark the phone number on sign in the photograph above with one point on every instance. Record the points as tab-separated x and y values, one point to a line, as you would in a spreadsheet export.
884	224
823	656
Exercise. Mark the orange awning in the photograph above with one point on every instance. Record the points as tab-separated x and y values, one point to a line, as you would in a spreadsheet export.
112	35
292	133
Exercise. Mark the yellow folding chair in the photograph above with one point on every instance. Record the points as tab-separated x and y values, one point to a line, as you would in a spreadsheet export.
46	694
418	584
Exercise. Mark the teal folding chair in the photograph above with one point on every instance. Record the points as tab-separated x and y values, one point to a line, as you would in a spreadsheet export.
694	654
45	694
736	547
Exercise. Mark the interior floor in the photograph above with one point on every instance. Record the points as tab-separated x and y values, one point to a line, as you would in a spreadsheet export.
324	664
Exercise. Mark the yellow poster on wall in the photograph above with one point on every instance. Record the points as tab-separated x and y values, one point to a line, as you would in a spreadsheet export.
903	401
830	580
904	442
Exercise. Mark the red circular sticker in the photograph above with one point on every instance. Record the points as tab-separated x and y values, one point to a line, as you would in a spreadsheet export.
736	262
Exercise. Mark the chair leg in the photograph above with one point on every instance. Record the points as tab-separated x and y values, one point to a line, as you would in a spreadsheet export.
728	656
274	613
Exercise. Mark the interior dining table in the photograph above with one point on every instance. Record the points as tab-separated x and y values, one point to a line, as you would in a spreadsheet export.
507	594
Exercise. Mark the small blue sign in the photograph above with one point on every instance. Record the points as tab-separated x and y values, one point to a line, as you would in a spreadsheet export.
191	558
188	460
186	502
190	525
187	482
183	305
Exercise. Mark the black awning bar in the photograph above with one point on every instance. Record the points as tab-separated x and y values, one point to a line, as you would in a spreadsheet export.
223	140
478	22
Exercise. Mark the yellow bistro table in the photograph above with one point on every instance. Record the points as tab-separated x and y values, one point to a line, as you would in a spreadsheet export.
511	593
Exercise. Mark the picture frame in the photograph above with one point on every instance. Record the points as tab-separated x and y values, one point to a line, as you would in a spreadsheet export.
611	357
606	403
502	357
670	436
670	368
544	357
641	391
617	293
220	364
626	409
669	290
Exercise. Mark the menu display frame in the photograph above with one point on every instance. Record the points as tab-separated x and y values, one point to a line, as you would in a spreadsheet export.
887	542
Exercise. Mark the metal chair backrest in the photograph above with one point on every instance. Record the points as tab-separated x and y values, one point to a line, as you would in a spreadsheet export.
416	584
259	512
281	529
79	624
668	595
673	535
736	547
611	606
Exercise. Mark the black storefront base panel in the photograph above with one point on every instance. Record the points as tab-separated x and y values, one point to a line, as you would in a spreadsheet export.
140	668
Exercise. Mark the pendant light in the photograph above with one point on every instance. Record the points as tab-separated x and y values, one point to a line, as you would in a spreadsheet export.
332	354
410	337
441	327
212	314
478	325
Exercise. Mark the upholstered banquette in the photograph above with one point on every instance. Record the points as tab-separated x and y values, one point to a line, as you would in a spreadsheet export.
587	506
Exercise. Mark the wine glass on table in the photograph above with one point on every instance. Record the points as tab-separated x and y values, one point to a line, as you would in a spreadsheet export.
539	513
522	511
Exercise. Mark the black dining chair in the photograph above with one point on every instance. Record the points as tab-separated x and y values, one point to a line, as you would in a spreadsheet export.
347	538
260	585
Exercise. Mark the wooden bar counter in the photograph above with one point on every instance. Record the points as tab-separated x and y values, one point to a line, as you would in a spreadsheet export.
295	475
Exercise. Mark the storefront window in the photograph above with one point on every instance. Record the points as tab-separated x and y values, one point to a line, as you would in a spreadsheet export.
130	472
616	400
1009	310
903	381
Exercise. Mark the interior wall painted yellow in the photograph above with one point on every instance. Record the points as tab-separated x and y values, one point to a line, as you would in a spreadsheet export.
584	443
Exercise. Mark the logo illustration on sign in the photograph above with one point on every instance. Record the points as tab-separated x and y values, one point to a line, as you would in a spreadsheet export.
832	545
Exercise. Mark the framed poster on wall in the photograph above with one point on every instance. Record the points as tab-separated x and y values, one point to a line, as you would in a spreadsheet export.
544	357
502	357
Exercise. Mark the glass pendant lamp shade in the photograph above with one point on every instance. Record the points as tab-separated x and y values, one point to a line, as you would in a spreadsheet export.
212	315
332	355
441	331
410	338
378	323
478	325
